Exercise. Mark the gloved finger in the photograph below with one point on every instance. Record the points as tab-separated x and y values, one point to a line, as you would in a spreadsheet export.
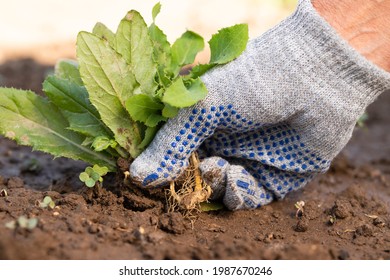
243	191
213	171
167	156
247	191
247	183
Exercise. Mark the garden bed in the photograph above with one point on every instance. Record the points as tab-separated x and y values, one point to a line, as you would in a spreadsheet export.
346	212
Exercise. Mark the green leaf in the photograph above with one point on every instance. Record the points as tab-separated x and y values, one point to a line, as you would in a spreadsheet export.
110	83
135	45
104	33
154	119
52	204
169	111
32	120
99	61
47	200
228	43
22	221
200	69
164	79
90	183
89	170
185	49
88	141
150	132
211	206
101	170
74	102
156	10
179	95
362	120
11	225
68	69
95	176
161	46
102	143
161	53
32	223
83	176
145	109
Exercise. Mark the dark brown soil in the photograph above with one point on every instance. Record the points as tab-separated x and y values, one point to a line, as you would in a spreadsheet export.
346	212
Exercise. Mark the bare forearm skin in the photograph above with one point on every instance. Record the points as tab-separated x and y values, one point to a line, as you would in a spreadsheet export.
364	24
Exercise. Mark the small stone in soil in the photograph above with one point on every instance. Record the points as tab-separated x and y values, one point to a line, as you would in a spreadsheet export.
267	238
93	228
341	209
302	224
364	230
155	237
379	222
216	228
172	222
343	255
139	234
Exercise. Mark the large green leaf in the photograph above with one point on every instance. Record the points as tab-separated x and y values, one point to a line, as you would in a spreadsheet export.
228	43
134	44
185	49
34	121
110	82
104	33
74	102
181	95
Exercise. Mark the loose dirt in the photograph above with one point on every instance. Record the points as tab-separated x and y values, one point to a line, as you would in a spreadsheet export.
345	216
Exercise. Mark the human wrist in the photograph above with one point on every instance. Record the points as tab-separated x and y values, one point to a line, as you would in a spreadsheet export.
363	24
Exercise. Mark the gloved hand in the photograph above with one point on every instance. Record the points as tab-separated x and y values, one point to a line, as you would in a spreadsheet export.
273	118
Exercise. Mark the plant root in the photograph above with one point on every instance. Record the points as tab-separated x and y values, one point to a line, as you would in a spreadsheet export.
187	195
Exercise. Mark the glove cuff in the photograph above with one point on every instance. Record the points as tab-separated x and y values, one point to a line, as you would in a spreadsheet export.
331	56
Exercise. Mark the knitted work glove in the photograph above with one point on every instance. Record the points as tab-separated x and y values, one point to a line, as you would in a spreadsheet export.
273	118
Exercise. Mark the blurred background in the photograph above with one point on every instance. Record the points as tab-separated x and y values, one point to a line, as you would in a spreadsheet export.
45	30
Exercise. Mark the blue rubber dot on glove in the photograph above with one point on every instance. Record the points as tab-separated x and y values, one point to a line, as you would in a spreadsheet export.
149	179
